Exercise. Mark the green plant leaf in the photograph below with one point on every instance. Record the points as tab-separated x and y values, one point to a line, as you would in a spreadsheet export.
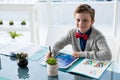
21	56
13	34
51	61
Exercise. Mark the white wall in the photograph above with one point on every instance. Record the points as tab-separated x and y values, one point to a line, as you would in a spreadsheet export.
41	20
62	14
62	18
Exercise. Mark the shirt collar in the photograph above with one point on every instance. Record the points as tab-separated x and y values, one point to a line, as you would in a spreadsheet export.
87	33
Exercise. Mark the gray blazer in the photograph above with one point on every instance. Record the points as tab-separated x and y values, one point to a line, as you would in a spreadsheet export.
96	45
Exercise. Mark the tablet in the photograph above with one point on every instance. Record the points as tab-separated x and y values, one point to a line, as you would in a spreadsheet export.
65	60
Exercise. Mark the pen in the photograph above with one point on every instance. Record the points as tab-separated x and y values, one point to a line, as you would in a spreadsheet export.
50	51
4	54
12	54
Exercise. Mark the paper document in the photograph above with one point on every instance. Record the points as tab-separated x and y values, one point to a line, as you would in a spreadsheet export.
16	48
3	45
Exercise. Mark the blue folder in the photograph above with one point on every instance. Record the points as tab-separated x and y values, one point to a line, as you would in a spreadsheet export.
38	55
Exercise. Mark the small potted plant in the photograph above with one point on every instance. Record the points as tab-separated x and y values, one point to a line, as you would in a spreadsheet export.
13	34
23	22
52	66
1	22
11	22
22	59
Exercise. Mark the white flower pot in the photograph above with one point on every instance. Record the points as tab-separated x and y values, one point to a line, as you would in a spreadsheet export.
52	70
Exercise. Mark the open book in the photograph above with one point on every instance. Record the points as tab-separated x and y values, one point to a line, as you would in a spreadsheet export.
87	67
91	68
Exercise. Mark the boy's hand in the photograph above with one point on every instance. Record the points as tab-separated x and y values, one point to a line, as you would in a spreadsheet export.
48	55
76	55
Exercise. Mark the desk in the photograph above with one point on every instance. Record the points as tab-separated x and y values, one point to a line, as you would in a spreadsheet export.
10	71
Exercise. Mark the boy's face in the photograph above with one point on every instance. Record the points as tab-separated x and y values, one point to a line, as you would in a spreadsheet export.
83	21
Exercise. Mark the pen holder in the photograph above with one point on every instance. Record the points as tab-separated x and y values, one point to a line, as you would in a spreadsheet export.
52	66
52	70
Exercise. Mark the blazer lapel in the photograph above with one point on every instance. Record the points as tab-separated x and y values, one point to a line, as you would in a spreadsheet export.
90	40
77	41
89	45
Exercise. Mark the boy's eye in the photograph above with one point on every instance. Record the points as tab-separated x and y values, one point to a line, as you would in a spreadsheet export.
78	20
85	20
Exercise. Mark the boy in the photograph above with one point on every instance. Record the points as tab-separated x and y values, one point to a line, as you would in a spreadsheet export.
86	41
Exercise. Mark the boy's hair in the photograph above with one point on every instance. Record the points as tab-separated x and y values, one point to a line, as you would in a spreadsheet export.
85	8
